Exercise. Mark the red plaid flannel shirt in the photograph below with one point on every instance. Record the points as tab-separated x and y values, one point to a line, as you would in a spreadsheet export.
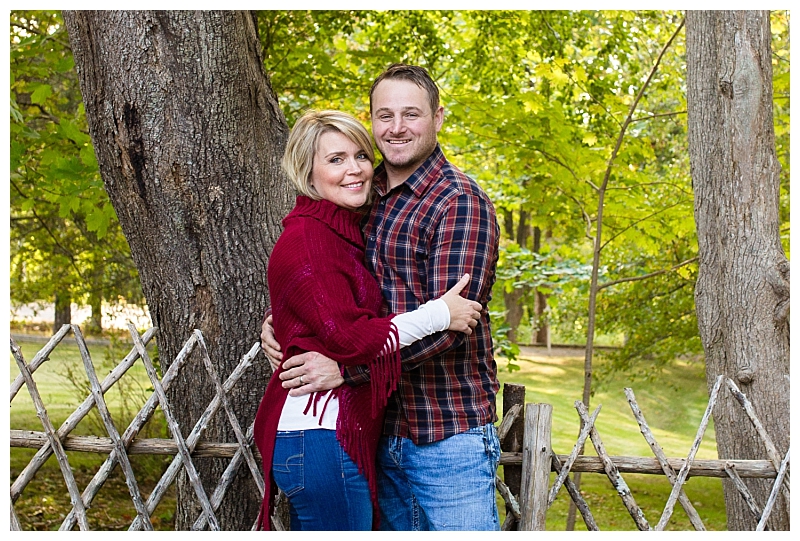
421	237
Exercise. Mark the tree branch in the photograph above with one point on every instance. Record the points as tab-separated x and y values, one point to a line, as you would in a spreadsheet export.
646	276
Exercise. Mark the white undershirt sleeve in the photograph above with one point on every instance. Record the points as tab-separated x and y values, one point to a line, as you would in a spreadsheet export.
431	317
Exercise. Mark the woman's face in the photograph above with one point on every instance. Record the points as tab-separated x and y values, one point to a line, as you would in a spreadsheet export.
342	171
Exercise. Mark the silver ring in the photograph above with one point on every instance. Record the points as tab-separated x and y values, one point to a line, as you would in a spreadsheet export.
301	380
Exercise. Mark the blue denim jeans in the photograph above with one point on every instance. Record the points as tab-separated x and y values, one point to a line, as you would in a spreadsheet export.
323	485
445	485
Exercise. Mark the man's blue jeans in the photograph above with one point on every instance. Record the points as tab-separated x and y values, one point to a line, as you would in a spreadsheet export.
445	485
323	485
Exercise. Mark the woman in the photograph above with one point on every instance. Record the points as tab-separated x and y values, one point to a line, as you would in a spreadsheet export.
320	449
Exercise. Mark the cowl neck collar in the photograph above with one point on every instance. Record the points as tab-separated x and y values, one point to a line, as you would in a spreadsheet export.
346	223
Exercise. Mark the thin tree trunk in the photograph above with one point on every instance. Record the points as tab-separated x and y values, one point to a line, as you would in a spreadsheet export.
513	300
189	136
95	324
594	287
63	311
540	301
742	292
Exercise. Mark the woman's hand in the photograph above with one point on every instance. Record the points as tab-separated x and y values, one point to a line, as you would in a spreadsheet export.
464	313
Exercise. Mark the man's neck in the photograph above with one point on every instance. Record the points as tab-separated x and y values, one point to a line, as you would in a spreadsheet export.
395	178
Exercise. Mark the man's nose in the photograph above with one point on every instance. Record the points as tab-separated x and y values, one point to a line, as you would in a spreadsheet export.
398	126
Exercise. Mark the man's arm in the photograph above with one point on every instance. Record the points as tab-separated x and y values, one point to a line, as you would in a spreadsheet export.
450	311
464	241
270	346
319	373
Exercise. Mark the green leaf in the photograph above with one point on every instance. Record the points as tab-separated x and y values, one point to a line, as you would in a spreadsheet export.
41	93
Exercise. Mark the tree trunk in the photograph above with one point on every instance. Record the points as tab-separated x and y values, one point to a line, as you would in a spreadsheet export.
63	311
513	300
542	335
742	292
189	137
95	323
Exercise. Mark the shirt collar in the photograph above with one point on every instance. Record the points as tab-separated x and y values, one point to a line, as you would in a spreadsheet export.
419	181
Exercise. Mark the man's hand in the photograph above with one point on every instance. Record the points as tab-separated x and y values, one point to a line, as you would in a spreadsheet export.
309	372
270	346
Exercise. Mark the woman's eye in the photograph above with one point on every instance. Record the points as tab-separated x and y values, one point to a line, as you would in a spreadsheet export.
337	159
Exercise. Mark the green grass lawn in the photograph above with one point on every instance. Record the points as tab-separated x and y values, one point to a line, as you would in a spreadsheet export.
673	407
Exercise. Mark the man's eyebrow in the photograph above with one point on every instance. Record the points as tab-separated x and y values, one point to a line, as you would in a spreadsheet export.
406	108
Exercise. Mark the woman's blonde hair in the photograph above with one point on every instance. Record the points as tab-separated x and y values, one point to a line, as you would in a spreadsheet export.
298	158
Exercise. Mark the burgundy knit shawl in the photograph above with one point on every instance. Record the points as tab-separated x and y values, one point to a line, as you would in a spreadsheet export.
324	299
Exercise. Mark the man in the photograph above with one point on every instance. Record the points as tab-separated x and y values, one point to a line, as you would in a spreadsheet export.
428	226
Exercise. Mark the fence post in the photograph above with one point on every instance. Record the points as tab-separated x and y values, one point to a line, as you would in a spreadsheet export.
536	464
513	394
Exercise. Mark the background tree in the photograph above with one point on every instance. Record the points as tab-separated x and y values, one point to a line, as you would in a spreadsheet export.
742	292
66	243
188	135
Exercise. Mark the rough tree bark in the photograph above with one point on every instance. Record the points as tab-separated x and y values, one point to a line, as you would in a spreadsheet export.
189	136
742	292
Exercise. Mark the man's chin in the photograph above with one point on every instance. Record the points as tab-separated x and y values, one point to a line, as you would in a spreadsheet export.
400	162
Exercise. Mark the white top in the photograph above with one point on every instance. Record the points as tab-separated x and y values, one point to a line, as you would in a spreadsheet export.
431	317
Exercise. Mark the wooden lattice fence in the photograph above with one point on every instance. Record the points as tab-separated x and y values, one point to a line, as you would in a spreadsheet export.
524	433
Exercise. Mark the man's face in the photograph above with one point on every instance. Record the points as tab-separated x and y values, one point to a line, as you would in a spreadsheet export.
404	126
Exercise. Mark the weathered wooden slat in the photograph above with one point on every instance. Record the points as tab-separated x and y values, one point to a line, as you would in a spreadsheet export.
744	492
175	430
508	420
15	526
40	358
565	468
136	423
108	422
772	451
512	506
748	469
193	440
684	471
613	473
509	498
243	442
576	496
691	512
773	496
52	438
226	480
44	452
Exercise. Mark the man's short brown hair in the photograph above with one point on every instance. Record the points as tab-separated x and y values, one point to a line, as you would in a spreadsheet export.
417	75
